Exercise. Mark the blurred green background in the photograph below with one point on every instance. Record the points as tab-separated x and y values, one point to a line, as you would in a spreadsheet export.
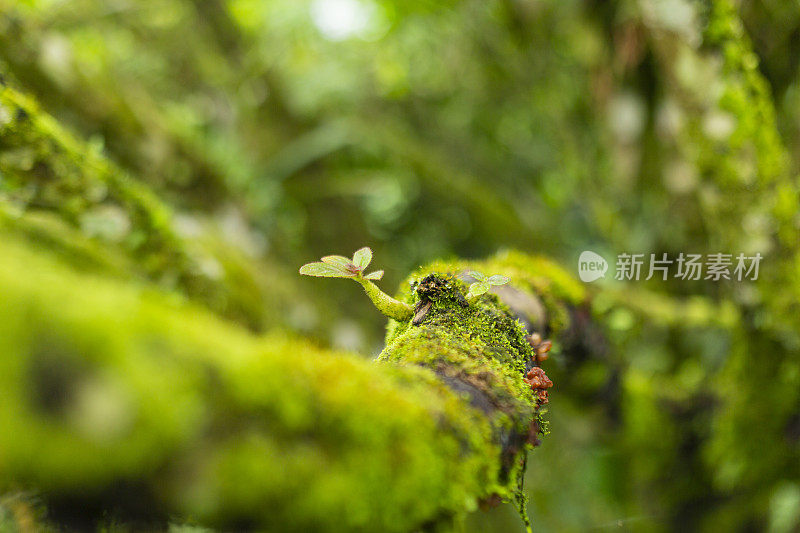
279	131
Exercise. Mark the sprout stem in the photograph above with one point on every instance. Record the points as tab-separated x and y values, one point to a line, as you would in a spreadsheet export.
387	305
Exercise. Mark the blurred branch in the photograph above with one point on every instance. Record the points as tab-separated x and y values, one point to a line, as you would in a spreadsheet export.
130	122
46	170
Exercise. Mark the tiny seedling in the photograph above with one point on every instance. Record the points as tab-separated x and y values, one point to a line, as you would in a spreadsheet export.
339	266
483	284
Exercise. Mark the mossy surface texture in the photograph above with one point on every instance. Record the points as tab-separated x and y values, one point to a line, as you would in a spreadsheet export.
480	347
112	387
128	395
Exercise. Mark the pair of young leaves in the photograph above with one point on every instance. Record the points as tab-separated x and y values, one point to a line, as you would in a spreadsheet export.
339	266
483	283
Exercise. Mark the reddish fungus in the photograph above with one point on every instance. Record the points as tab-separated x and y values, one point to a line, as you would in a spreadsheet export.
540	347
539	383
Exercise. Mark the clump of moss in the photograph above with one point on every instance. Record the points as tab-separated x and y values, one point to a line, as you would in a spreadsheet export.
535	278
479	345
480	348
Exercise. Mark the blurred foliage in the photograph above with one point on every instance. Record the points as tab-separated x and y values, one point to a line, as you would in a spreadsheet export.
248	137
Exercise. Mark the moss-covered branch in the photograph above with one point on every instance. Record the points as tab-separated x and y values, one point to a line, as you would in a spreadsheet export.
113	388
113	102
54	185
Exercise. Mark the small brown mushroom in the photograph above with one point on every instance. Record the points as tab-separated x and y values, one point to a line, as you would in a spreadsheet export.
537	379
539	383
540	347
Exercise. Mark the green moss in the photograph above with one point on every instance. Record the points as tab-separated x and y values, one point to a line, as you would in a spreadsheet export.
481	344
45	173
742	164
533	275
111	383
746	94
51	232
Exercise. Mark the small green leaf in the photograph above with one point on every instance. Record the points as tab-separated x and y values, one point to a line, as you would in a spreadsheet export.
477	275
339	261
324	270
476	289
378	274
497	279
362	258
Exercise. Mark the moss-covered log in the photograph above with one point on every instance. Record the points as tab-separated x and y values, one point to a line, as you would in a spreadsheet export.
123	403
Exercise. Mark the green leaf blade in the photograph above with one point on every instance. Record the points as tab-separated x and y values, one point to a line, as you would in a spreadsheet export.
378	274
497	279
362	258
339	261
324	270
477	275
476	289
